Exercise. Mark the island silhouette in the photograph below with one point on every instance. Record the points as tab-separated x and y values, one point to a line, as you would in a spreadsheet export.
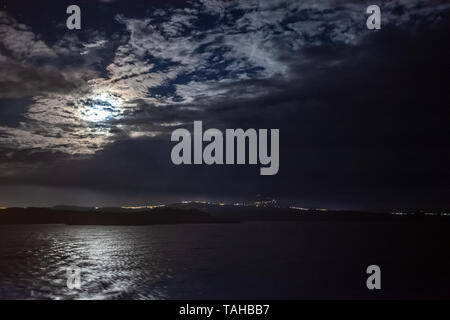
196	212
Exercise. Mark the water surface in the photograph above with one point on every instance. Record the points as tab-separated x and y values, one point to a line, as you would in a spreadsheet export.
260	260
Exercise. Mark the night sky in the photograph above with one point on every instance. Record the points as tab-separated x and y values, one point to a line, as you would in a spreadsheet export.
86	115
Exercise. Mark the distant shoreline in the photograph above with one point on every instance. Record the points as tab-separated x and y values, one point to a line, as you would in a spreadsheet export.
178	214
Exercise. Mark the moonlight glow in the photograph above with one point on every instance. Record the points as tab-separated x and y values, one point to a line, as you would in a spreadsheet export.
101	107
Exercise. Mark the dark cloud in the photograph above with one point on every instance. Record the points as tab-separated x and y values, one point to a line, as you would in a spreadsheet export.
28	81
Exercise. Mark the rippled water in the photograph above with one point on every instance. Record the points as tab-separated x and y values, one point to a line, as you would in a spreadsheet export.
251	260
116	262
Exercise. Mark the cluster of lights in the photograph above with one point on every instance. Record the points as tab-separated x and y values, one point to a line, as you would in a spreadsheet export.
400	213
143	207
308	209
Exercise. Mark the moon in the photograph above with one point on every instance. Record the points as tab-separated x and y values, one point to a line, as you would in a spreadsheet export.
101	107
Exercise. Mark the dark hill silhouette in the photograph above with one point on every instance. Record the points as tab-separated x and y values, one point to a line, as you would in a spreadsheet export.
262	213
193	212
94	217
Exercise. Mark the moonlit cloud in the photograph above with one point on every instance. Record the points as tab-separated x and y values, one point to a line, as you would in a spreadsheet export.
174	62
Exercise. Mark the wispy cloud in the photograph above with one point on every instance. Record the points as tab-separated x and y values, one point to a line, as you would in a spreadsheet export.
180	61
